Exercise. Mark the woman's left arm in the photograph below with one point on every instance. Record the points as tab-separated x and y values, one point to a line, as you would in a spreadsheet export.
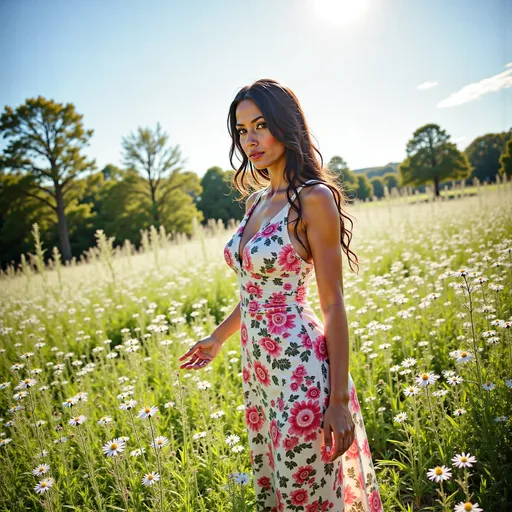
323	232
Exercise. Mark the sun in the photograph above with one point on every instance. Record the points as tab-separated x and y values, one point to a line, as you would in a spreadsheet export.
340	12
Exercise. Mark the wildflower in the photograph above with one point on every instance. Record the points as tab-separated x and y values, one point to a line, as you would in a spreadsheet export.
464	357
426	378
5	442
26	355
204	384
20	395
169	404
4	385
198	435
467	507
41	470
439	473
114	447
400	417
411	391
137	452
454	380
488	385
459	412
17	366
242	407
70	402
461	272
81	396
44	485
77	420
160	442
440	392
464	460
237	448
128	405
217	414
147	412
407	363
508	383
395	368
104	420
150	479
501	419
242	478
232	439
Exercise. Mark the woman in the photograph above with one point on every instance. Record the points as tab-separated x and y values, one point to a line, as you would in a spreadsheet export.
308	444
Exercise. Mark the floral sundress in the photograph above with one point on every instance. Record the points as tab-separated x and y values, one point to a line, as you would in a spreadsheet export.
285	377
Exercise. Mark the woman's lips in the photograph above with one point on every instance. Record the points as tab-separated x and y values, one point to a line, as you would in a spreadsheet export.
256	156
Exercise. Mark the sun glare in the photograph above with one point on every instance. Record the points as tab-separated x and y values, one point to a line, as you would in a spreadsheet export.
340	12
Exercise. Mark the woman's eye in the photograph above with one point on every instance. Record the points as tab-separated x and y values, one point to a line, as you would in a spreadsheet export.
259	124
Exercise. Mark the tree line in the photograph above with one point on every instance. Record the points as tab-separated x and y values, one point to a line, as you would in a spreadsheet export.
45	178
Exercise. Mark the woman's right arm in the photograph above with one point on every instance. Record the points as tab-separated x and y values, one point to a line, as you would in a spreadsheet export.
231	323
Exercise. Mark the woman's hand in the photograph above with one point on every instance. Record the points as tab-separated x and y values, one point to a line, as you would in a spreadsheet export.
201	353
338	420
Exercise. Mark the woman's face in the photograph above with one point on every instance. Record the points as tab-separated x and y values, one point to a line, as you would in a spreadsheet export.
260	146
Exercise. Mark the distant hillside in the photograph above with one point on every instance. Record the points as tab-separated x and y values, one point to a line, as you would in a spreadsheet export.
378	171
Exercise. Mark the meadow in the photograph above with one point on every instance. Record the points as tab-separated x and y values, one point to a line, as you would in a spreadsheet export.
96	414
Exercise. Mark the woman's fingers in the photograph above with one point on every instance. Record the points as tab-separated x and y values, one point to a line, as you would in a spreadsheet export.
191	350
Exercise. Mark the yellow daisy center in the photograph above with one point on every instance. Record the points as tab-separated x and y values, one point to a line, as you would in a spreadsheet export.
147	409
488	382
463	354
463	459
425	376
150	477
43	484
468	506
27	381
439	471
113	446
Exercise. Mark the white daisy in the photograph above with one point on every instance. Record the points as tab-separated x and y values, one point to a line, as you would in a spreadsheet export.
488	385
147	412
128	405
217	414
464	460
439	473
400	417
77	420
454	380
467	507
150	479
5	442
70	402
411	391
232	439
104	420
459	412
238	448
407	363
440	392
4	385
114	447
426	378
41	470
464	356
20	395
44	485
242	478
137	452
198	435
160	442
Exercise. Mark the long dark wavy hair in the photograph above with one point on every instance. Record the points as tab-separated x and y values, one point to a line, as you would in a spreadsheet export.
286	121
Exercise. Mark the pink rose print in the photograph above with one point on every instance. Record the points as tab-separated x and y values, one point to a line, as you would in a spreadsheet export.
264	482
253	419
280	404
246	260
277	300
299	497
375	502
306	342
280	322
313	393
243	334
299	373
270	230
253	307
280	502
300	294
305	417
320	348
353	451
261	373
254	289
275	433
288	261
350	497
366	448
302	474
270	455
294	386
246	375
271	346
354	402
291	442
287	287
228	257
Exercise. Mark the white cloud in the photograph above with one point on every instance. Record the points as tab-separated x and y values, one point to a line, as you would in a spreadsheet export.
458	140
476	90
426	85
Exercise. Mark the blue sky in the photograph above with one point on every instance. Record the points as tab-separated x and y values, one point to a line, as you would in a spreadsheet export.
365	82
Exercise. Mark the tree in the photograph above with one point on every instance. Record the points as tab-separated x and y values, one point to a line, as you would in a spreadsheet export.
218	200
484	155
506	160
44	144
390	180
344	176
147	153
364	187
432	158
378	186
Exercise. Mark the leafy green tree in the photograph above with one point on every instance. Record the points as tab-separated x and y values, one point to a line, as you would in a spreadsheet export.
160	167
506	160
390	180
432	158
344	176
364	187
218	199
484	155
378	186
45	140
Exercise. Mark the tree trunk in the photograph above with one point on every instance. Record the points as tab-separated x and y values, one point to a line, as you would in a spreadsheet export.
154	208
436	187
65	246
